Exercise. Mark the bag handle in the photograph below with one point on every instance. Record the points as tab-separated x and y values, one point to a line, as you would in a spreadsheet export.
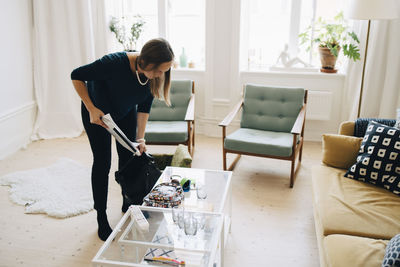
119	135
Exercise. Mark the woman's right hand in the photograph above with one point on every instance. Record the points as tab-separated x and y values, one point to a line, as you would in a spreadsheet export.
95	117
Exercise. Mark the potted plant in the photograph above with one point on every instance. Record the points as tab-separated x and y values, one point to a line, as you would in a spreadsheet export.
331	39
126	36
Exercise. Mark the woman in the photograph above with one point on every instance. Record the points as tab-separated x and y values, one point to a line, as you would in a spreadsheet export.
124	85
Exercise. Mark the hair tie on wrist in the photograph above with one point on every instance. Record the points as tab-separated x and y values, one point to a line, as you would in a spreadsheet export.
140	140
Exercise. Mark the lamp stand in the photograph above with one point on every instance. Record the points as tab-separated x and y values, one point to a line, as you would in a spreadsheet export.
363	71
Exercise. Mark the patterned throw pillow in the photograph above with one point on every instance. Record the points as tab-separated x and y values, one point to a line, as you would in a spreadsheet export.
392	255
378	161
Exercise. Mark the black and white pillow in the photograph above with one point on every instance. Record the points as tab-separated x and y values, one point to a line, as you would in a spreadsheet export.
392	255
378	161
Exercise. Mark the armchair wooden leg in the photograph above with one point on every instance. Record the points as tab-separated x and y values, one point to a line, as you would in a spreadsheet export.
292	172
194	134
189	145
224	159
193	137
301	152
190	140
234	162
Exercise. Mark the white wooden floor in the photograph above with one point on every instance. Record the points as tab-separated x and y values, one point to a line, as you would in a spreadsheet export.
272	224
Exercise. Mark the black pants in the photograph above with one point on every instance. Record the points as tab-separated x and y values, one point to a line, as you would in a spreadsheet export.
100	143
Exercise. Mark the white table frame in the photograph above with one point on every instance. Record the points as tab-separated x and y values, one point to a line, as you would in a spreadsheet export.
217	242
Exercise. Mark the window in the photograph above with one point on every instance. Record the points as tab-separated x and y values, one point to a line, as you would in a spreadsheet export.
270	27
187	29
181	22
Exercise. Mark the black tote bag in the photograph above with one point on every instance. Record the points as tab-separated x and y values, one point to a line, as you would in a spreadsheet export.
137	177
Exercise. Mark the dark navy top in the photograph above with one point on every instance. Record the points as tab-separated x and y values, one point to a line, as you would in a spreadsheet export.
113	87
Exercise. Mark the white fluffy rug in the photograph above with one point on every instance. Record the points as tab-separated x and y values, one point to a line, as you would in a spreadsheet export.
60	190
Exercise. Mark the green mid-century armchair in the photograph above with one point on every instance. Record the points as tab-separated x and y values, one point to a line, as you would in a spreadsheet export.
175	124
272	125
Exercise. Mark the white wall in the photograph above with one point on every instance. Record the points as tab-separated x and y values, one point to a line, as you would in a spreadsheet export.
17	104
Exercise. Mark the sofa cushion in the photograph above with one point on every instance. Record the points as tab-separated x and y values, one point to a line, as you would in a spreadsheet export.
347	206
378	160
346	250
340	150
347	128
392	254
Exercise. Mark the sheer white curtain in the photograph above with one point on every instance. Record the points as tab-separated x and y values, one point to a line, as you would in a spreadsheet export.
381	95
67	34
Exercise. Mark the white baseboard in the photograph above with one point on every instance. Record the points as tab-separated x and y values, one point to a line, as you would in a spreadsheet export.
16	128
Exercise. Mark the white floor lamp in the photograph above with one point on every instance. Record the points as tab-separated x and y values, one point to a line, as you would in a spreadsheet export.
370	10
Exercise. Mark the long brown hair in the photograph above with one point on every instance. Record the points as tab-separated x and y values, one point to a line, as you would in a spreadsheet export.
157	51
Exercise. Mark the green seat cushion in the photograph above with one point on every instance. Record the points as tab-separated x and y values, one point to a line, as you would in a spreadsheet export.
260	142
166	131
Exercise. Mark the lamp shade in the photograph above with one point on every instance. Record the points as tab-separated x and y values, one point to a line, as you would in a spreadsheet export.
372	9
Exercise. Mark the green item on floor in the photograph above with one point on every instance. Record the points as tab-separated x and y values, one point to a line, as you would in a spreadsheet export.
181	158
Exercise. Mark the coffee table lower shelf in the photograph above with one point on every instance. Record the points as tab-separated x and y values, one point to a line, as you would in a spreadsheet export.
127	245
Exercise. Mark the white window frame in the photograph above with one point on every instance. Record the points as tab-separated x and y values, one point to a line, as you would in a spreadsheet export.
294	31
162	18
118	8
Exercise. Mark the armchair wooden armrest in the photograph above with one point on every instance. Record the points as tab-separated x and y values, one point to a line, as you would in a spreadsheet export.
190	110
228	119
298	124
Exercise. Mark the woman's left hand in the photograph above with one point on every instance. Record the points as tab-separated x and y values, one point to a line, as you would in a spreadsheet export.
142	147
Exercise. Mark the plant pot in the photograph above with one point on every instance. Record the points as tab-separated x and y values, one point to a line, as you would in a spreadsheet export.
328	60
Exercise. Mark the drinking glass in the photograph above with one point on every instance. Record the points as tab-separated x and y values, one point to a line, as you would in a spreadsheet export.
201	191
201	220
181	219
190	224
175	211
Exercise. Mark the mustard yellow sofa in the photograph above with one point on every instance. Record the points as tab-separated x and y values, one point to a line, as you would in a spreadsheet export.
354	221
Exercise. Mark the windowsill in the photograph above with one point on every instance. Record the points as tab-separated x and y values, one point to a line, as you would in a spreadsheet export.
188	70
293	72
315	72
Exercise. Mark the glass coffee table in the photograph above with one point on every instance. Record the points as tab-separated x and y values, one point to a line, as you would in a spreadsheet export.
129	245
126	246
